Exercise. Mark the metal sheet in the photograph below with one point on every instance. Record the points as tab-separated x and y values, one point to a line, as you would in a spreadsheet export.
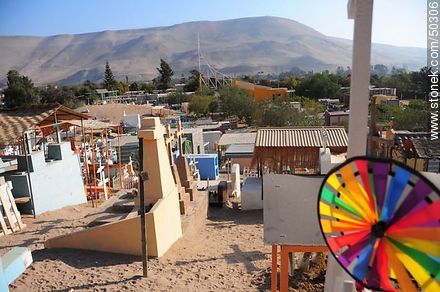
290	210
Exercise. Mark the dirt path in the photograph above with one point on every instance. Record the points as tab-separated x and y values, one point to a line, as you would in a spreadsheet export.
227	254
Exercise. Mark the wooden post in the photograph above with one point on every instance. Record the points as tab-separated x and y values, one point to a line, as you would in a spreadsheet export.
86	165
274	280
57	129
291	263
106	156
180	142
120	159
169	144
26	150
371	145
284	270
92	144
142	178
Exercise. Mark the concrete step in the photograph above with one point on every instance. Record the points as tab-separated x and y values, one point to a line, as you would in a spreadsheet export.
107	218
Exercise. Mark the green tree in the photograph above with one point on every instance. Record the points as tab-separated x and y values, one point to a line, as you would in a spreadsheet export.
20	90
276	113
380	70
413	117
120	86
193	81
237	102
176	98
312	110
199	105
69	96
319	85
109	79
295	71
87	92
290	82
249	78
148	87
133	86
280	113
165	74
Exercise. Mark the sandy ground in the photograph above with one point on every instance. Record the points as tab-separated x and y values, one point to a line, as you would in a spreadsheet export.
114	112
226	254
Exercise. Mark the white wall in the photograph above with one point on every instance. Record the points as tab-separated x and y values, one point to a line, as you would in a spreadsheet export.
212	138
55	184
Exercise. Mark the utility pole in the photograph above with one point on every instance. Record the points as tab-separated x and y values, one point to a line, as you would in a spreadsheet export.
143	176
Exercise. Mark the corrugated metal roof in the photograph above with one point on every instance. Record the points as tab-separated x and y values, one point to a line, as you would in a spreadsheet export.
14	122
237	138
301	137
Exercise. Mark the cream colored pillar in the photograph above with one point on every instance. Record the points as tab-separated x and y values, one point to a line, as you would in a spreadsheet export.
156	161
336	279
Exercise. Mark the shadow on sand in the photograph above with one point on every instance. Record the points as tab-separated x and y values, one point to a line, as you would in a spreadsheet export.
81	259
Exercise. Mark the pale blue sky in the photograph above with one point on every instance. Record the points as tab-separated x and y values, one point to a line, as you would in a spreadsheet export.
398	22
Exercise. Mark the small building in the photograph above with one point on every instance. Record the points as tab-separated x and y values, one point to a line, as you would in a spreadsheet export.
417	150
339	118
207	165
260	92
45	119
382	91
41	181
386	99
297	149
106	95
193	141
373	91
329	101
240	154
211	139
53	182
235	138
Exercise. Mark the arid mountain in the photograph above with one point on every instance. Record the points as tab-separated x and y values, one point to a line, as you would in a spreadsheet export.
238	46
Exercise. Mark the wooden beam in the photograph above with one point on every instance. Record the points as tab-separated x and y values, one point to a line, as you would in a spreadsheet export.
274	278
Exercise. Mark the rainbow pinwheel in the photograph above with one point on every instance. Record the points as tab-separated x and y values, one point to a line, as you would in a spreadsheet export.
381	221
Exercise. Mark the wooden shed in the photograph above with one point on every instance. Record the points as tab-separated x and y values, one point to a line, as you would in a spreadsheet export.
296	149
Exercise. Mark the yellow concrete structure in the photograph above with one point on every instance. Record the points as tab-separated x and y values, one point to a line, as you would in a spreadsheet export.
156	162
162	221
260	92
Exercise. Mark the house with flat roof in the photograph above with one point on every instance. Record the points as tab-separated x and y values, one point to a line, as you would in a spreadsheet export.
260	92
228	139
338	118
